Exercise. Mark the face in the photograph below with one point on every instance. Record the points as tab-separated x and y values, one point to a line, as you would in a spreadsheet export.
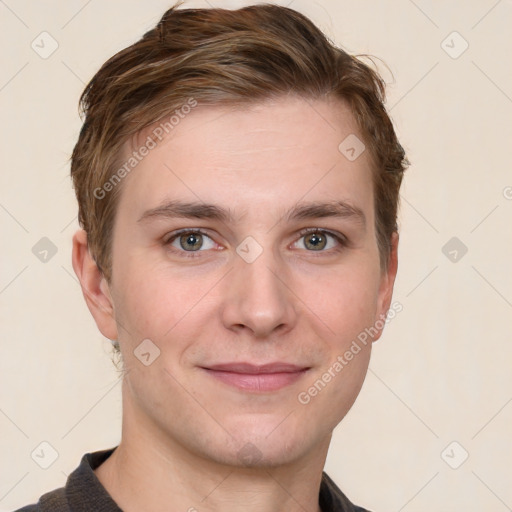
244	249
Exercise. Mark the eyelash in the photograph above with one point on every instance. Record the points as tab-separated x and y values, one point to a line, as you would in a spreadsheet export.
342	241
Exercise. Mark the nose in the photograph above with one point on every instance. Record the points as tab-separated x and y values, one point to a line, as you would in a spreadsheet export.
258	297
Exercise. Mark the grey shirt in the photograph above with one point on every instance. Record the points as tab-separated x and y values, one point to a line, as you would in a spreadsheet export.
83	492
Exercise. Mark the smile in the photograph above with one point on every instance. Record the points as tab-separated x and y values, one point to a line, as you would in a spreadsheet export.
247	377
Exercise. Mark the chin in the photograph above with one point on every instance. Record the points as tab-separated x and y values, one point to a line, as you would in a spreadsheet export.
266	447
255	455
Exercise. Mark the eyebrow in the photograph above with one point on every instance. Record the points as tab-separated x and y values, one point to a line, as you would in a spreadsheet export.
301	211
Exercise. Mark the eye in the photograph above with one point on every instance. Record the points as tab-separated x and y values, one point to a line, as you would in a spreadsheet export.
191	241
195	241
318	240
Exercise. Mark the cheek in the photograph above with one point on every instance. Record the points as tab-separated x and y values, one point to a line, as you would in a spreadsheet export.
156	302
349	304
147	307
344	299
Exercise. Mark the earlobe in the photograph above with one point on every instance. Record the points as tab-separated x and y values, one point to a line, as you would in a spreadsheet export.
94	286
387	283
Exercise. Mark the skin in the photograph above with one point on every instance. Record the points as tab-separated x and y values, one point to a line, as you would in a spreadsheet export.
183	430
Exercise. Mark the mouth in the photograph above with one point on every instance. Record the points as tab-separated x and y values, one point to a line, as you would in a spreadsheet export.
257	378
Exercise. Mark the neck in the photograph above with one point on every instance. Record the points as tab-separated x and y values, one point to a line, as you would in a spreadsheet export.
151	471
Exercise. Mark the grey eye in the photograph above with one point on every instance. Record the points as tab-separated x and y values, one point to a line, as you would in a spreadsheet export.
191	241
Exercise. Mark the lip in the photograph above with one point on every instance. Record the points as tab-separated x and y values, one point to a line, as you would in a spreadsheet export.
257	378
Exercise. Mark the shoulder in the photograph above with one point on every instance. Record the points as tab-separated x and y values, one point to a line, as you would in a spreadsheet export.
333	500
82	492
53	501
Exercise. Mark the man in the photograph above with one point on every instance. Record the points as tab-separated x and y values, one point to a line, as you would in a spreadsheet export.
238	181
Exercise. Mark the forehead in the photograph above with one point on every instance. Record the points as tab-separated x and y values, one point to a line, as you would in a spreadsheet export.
269	154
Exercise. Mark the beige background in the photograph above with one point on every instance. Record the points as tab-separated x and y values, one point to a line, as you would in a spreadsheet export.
441	372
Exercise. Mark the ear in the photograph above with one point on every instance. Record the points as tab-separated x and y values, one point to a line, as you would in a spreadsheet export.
387	282
94	286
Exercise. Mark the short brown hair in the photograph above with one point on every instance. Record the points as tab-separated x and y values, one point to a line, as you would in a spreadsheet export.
219	56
